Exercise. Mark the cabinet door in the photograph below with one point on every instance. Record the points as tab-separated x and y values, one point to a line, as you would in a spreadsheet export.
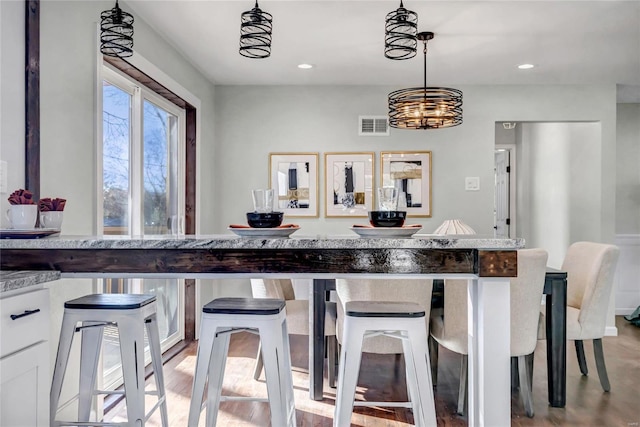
29	324
24	390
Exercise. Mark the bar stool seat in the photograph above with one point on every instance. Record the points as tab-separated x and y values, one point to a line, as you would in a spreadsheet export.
131	314
401	320
223	317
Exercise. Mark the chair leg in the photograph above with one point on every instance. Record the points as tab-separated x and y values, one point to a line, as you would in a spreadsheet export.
257	370
153	335
91	342
396	365
416	356
215	373
582	362
348	370
462	389
433	357
205	348
62	358
515	382
132	353
602	369
530	360
525	385
332	360
274	353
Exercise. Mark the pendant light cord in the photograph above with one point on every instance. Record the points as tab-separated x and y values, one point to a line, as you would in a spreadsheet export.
424	50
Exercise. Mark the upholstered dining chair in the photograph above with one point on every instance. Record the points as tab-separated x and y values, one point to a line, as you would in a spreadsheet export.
590	270
298	319
449	329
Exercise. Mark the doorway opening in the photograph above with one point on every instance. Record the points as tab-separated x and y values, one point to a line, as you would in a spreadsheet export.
504	212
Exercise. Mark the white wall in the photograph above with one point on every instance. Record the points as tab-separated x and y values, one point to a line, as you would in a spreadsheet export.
628	169
253	121
548	163
12	97
628	208
558	174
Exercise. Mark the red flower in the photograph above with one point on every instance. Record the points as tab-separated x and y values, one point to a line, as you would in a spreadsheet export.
21	197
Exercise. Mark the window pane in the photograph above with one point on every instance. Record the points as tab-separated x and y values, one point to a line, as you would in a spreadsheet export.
167	292
116	135
158	177
167	299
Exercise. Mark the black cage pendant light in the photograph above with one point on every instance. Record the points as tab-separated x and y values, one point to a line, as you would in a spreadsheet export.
400	30
425	107
116	33
255	33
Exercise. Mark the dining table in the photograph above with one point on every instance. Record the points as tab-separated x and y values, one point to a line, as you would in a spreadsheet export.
487	264
555	296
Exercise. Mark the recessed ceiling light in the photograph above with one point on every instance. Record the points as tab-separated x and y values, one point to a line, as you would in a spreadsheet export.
305	66
526	66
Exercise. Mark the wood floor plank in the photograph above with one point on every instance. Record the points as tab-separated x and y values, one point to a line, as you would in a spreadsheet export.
381	379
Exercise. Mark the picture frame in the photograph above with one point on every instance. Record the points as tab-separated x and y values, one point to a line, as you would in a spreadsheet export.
294	178
410	172
349	184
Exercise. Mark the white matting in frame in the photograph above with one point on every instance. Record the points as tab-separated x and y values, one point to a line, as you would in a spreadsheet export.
294	178
348	184
410	172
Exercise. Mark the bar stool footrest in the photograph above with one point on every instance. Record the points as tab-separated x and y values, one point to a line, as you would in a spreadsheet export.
243	399
384	404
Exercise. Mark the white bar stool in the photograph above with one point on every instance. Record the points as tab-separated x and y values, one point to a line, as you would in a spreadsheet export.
131	314
399	320
223	317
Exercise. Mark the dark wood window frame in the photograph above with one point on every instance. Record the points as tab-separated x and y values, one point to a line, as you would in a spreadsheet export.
190	170
32	134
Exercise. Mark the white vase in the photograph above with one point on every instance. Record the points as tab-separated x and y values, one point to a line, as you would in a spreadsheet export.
454	226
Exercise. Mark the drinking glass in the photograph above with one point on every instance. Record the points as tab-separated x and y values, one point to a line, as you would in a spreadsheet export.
387	198
262	200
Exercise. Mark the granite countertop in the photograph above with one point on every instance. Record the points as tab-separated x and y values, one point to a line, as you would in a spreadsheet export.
12	280
233	242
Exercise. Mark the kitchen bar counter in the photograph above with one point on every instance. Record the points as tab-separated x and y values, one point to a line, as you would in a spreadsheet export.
486	263
16	280
424	241
220	256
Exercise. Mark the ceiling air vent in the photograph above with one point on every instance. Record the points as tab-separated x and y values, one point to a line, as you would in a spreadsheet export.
373	126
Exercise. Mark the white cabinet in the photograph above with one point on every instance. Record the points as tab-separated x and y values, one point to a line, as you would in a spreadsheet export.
24	359
25	387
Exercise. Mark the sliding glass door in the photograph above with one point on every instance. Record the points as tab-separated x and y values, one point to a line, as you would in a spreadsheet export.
142	176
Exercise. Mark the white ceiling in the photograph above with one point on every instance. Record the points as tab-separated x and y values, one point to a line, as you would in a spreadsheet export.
477	42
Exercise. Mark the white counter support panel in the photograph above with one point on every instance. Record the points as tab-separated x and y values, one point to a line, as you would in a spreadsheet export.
489	352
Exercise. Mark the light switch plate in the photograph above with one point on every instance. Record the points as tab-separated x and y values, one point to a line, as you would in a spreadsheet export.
472	183
3	177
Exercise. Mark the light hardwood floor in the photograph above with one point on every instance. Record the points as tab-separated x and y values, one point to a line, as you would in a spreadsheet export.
587	404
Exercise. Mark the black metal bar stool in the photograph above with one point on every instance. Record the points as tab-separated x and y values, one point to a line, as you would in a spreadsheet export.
223	317
89	314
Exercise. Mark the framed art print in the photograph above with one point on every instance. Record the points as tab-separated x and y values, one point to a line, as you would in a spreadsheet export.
294	177
410	173
348	184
